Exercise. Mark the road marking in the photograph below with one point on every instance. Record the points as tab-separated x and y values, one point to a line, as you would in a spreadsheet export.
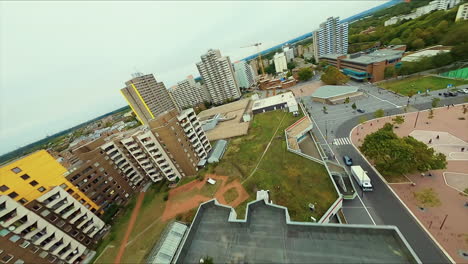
341	141
397	106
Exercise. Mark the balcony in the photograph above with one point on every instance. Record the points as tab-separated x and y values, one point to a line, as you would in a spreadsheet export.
187	128
113	153
193	139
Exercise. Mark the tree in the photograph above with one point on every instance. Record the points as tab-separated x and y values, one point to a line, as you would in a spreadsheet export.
460	51
443	26
418	44
305	74
289	74
395	41
207	260
333	76
324	109
396	156
398	120
270	69
389	71
431	114
354	106
379	113
346	101
291	65
435	101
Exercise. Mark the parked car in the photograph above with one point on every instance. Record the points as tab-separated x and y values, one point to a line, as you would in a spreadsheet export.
452	94
347	160
360	111
446	95
465	91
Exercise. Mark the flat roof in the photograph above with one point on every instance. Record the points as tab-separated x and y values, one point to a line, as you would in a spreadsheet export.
328	91
376	56
275	100
268	236
218	149
332	56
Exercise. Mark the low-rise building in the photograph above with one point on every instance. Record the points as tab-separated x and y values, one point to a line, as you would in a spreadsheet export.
370	66
336	94
280	101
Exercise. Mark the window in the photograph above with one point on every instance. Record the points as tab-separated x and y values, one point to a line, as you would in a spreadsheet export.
41	189
43	254
33	183
45	213
23	201
25	177
74	233
13	195
14	238
19	261
64	186
60	223
81	237
4	232
53	218
4	188
37	207
34	249
25	244
7	258
51	259
16	170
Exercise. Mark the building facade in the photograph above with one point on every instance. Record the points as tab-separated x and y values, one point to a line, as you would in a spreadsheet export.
289	53
369	66
462	13
245	75
96	175
331	37
147	97
218	75
281	63
44	217
188	93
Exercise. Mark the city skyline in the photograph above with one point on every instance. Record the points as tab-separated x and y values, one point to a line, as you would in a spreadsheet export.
81	64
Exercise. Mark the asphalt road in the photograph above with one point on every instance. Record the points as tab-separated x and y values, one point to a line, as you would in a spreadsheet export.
387	208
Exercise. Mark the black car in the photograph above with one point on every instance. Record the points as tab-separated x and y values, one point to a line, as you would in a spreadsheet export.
452	94
446	95
347	160
361	111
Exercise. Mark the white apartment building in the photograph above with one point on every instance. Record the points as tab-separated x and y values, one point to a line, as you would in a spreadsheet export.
420	11
197	137
33	229
218	75
281	63
331	38
188	93
245	75
462	13
289	53
117	155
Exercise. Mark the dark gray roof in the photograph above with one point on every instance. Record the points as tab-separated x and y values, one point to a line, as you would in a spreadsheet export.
268	236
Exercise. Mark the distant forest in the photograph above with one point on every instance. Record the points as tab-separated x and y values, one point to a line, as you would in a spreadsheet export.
41	144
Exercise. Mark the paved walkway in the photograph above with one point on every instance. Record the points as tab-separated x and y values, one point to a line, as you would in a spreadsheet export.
131	223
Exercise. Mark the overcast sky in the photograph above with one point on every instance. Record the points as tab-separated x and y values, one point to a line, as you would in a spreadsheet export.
63	63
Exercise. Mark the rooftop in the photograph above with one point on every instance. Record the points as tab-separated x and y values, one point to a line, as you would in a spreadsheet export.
328	91
268	236
218	149
275	100
377	56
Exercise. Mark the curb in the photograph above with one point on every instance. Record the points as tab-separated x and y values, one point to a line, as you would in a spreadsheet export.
394	193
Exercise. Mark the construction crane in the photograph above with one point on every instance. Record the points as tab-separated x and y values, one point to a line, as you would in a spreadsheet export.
259	55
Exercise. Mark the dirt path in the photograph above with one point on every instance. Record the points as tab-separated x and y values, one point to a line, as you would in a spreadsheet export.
176	206
131	223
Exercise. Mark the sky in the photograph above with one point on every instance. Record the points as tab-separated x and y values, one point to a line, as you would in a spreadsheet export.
63	63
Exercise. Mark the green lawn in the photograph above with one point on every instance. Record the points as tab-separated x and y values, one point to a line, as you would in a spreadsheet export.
293	181
420	83
145	233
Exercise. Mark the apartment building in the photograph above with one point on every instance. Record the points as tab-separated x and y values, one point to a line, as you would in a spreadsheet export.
281	64
462	13
43	217
245	75
147	97
183	138
218	75
170	147
188	93
331	38
98	177
289	53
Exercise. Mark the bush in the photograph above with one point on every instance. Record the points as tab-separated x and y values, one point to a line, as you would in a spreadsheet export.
166	196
